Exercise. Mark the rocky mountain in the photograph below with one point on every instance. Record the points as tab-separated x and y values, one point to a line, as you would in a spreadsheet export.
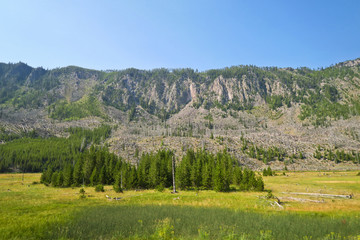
252	111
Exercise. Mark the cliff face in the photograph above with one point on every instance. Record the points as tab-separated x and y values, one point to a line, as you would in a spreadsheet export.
162	89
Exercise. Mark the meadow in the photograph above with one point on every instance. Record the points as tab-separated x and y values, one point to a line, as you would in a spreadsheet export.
29	210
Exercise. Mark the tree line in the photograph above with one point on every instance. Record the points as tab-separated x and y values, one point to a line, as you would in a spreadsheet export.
336	155
196	170
34	154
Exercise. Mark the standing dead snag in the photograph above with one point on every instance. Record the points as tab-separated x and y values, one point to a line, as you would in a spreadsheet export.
173	173
121	182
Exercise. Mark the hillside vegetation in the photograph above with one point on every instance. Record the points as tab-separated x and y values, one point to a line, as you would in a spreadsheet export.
284	114
324	93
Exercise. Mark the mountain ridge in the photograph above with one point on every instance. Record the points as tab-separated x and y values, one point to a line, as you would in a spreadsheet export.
228	102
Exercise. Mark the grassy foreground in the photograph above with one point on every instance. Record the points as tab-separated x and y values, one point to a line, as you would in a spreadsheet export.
33	211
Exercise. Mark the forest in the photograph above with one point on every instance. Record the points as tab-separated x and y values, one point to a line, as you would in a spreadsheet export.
29	152
197	170
83	159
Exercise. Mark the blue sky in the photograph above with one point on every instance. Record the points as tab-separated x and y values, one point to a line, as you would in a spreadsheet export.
199	34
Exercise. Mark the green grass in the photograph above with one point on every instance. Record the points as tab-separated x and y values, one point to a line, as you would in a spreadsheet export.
124	221
319	182
34	211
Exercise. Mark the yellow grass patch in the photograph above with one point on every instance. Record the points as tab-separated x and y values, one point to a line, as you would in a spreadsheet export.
352	182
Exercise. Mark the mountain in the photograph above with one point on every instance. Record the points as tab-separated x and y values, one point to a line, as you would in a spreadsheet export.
262	109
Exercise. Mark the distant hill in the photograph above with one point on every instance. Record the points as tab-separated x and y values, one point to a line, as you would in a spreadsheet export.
292	109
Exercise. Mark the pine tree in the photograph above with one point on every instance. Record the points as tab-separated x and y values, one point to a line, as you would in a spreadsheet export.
46	176
111	168
206	177
94	177
42	177
54	179
183	174
252	180
238	176
154	172
218	179
118	183
245	180
259	184
60	180
103	176
68	176
88	169
78	173
133	181
195	175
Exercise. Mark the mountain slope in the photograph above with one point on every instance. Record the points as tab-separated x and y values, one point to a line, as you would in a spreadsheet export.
291	109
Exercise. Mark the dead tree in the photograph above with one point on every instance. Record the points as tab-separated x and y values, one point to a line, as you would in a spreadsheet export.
121	182
173	173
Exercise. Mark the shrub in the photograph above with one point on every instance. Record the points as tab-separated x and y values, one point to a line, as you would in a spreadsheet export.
268	172
160	187
82	193
269	195
99	188
117	188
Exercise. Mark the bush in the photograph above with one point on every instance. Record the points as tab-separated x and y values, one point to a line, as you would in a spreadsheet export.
269	195
160	187
268	172
117	188
358	174
99	188
82	193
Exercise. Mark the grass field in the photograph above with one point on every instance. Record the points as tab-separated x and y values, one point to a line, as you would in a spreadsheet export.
33	211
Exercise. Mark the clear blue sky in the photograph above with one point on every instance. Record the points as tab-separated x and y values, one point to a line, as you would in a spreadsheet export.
200	34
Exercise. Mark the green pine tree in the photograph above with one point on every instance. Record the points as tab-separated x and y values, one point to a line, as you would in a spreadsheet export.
68	176
94	177
78	173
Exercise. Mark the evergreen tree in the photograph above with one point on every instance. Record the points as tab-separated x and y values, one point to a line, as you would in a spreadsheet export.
183	174
259	184
78	173
218	179
54	179
68	176
94	177
245	180
195	175
238	176
46	177
133	181
60	179
103	179
251	181
88	169
118	183
206	177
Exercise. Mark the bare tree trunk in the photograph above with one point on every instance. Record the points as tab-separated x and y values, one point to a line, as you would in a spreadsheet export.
173	173
320	195
121	185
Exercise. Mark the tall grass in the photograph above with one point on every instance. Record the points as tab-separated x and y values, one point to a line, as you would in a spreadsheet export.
33	211
167	222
